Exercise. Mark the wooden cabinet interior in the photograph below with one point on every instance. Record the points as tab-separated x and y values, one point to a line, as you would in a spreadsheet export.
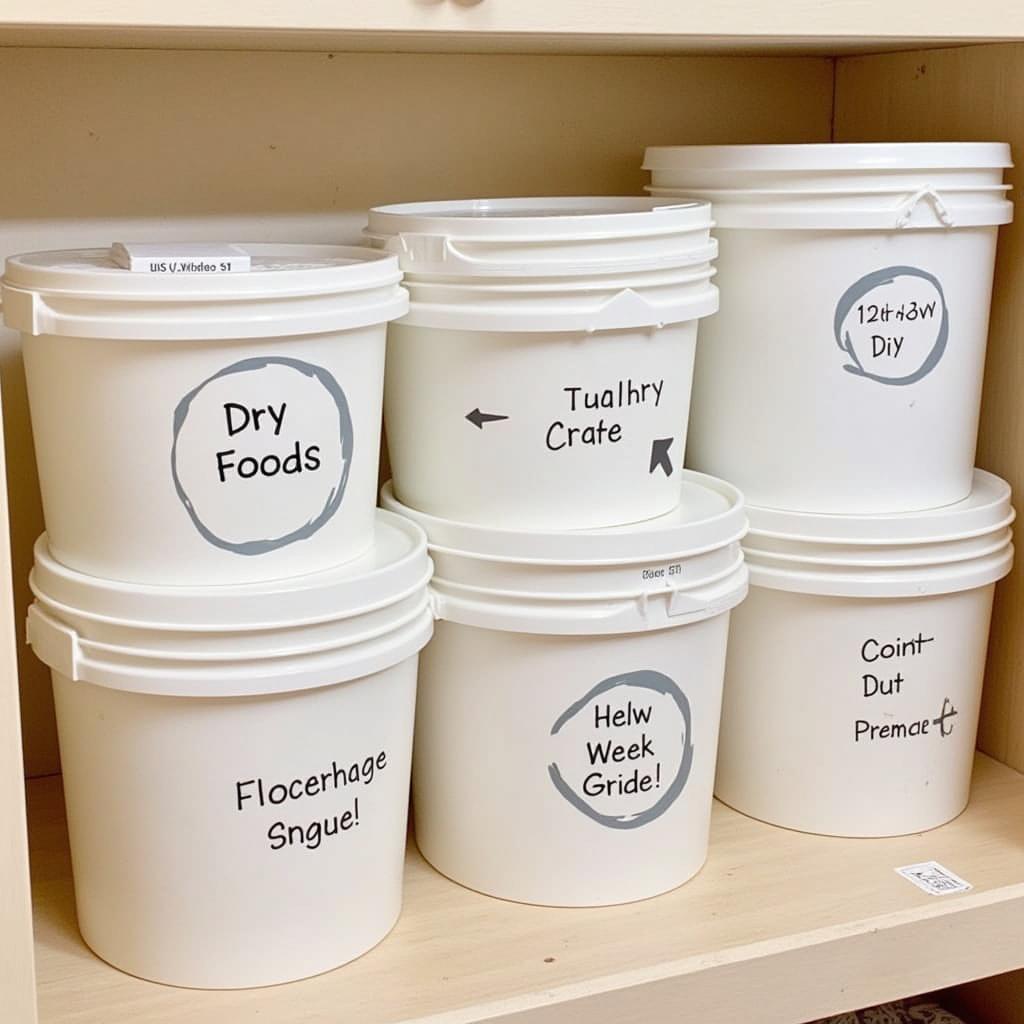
110	144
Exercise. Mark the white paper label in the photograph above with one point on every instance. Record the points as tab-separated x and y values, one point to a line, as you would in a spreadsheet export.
183	258
931	877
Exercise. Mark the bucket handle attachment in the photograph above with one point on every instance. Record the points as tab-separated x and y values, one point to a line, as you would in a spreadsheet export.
55	644
911	204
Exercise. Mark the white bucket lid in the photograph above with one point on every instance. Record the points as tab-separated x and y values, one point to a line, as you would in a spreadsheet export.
578	264
669	571
961	546
288	290
560	236
840	186
831	156
239	640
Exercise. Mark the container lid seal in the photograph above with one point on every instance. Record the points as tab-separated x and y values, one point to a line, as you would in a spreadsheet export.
396	564
830	156
288	289
985	510
709	516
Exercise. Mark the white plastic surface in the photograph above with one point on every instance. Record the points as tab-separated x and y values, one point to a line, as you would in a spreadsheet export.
846	156
886	186
289	290
959	547
264	638
805	408
511	726
207	462
545	459
851	716
856	665
236	761
539	237
678	569
182	878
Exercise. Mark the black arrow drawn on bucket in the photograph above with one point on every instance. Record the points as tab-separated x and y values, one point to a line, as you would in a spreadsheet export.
659	455
478	418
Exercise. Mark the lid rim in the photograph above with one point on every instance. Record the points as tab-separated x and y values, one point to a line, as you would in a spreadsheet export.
522	545
864	156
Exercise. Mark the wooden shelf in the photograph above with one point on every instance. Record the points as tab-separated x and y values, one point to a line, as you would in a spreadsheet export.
580	26
782	925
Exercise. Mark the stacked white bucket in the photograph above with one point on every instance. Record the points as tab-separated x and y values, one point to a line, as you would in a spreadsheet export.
232	628
839	388
536	403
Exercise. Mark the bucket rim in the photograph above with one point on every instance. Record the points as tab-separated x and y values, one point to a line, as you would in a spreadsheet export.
986	509
723	522
832	156
541	218
314	269
395	563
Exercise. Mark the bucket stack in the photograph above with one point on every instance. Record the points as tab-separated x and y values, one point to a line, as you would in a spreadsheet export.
234	629
840	390
536	404
231	626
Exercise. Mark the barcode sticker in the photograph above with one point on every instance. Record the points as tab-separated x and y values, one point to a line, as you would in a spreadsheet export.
931	877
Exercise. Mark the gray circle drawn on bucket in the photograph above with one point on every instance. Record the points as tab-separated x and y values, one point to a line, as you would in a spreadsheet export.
328	496
620	751
893	324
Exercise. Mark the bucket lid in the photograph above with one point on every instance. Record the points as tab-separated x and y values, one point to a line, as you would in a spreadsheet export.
960	546
242	639
560	236
830	156
678	568
288	289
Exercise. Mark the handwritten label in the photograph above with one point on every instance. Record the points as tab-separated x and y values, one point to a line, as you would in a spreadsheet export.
623	752
261	453
581	424
893	325
339	786
887	674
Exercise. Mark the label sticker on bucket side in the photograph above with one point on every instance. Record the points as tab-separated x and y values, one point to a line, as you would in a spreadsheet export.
624	750
261	453
894	325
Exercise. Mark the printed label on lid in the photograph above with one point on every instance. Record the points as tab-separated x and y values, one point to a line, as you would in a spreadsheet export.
261	453
183	258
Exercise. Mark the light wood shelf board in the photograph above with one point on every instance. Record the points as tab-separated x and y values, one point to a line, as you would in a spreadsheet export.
594	26
782	924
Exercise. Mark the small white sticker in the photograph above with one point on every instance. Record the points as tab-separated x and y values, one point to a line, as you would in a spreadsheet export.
931	877
181	258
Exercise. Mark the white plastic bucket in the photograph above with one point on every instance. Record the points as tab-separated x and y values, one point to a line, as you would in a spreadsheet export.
844	371
206	428
567	721
548	350
236	761
855	666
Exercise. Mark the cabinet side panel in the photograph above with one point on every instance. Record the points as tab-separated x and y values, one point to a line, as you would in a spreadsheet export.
17	972
968	94
295	146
